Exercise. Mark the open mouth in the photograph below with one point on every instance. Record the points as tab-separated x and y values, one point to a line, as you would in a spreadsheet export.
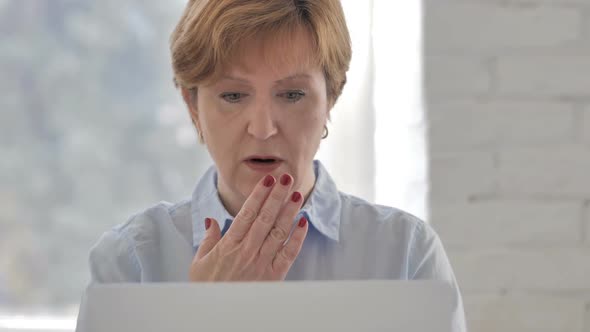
263	163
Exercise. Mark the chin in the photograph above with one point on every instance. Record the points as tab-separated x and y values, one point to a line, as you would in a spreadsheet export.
246	186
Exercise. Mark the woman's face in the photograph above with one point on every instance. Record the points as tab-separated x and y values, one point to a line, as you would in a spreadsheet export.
266	114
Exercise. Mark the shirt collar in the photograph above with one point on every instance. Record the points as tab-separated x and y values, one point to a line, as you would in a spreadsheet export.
322	208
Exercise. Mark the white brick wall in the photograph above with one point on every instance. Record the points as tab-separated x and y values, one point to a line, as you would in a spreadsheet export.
545	270
508	92
509	223
559	172
469	125
524	313
544	76
455	176
469	76
586	125
586	224
520	26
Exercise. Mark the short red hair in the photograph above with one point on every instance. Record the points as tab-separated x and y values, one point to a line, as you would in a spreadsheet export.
209	33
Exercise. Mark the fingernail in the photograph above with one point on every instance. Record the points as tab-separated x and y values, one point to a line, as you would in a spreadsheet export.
285	179
207	223
296	197
269	180
302	222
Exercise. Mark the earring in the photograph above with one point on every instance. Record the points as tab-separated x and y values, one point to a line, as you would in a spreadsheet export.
325	132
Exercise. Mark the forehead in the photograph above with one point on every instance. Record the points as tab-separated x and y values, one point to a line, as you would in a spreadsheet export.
278	54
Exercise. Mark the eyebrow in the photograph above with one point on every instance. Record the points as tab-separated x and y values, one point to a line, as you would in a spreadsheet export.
294	76
288	78
227	77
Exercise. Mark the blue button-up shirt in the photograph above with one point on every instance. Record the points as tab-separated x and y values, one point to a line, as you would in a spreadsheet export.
348	238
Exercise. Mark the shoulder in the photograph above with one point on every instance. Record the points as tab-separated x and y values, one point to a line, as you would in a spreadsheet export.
143	227
424	252
114	257
402	240
393	230
379	216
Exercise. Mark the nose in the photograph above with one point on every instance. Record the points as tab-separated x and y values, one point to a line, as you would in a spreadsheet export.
261	123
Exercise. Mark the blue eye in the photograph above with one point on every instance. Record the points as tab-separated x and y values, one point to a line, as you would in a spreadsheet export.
232	97
293	96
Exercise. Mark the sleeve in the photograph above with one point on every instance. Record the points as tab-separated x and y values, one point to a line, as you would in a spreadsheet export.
113	260
428	260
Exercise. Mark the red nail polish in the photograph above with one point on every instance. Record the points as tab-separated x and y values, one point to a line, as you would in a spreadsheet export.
285	179
269	180
296	197
207	223
302	222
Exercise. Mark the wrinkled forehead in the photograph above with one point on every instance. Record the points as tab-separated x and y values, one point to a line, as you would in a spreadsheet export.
280	53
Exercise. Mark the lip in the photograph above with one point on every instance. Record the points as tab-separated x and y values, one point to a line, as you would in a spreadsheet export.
260	156
259	167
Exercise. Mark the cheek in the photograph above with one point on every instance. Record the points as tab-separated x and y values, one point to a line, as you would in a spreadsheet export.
221	138
218	136
314	122
304	134
215	124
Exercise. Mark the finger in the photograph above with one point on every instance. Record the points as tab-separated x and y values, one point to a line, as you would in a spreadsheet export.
268	214
212	237
280	232
249	211
289	252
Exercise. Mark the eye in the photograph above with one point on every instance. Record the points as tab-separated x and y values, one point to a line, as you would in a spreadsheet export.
232	97
293	96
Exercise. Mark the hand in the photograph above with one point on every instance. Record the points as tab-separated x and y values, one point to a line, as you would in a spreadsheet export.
254	246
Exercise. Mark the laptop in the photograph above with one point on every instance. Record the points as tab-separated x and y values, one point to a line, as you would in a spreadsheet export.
291	306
